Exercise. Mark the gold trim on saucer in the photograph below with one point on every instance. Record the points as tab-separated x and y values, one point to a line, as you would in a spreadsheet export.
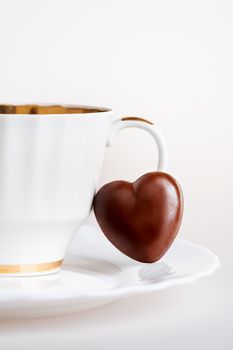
8	269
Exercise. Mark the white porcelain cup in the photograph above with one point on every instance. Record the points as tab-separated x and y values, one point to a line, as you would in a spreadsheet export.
50	160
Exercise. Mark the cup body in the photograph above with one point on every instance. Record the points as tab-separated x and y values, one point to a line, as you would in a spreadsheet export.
49	168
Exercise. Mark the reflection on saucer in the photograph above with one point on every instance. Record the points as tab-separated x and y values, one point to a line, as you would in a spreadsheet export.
33	282
155	272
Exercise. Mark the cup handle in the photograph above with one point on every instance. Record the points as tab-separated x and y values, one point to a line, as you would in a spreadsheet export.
136	122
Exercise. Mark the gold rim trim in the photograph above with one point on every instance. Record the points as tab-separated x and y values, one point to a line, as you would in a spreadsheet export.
49	109
7	269
138	119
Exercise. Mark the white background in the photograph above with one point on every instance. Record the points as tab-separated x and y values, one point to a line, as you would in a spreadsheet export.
169	61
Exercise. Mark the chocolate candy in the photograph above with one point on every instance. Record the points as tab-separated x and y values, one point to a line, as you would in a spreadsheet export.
141	219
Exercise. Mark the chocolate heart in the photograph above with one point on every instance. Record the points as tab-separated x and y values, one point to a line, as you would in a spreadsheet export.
141	219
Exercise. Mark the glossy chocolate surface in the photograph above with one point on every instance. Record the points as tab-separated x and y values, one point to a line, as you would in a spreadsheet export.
141	219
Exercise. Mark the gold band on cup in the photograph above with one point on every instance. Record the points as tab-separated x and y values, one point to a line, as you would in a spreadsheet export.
30	268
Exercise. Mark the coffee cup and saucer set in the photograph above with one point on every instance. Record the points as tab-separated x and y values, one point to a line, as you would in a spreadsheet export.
52	262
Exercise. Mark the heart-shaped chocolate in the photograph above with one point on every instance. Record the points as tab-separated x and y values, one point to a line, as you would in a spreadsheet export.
141	219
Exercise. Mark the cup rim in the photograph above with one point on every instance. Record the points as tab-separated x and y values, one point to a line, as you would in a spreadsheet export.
42	109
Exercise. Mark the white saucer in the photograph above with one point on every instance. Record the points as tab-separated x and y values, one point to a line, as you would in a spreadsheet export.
95	273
